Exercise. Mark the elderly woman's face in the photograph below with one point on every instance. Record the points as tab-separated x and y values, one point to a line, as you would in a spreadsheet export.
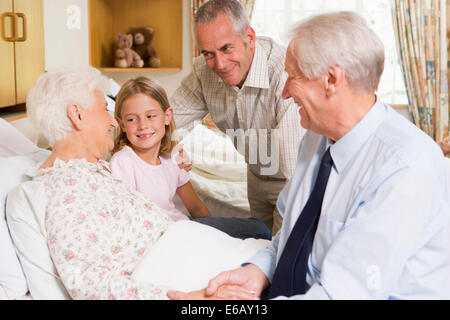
99	124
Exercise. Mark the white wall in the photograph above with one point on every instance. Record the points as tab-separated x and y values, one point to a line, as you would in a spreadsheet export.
67	43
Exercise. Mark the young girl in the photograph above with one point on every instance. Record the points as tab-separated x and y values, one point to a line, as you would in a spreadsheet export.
142	152
142	158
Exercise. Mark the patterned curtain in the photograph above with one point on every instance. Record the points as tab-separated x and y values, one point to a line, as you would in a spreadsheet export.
420	28
195	4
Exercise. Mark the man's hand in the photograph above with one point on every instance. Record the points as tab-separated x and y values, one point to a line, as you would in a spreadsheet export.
250	278
183	160
223	293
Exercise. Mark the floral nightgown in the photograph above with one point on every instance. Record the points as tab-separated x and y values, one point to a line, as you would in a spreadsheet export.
98	230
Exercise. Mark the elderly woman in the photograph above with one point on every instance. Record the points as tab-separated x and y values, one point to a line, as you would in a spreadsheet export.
97	227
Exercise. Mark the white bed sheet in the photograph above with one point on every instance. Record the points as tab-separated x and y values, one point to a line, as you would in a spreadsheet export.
219	172
189	254
4	296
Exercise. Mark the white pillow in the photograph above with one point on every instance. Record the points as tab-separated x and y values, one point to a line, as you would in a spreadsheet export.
189	254
25	211
12	141
12	171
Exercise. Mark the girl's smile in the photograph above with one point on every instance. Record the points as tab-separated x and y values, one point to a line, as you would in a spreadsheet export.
145	136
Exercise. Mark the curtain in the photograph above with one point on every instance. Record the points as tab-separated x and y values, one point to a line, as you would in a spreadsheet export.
420	27
195	4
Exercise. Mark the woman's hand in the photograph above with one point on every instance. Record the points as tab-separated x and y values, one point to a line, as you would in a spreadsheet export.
226	292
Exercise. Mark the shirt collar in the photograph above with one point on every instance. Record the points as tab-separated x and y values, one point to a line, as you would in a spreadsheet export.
345	148
258	76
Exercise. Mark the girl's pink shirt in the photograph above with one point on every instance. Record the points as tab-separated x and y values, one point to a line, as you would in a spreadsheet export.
158	182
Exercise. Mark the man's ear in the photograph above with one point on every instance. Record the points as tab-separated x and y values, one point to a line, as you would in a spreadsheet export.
250	36
73	113
333	80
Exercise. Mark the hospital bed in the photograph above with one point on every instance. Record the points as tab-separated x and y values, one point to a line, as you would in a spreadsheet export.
218	175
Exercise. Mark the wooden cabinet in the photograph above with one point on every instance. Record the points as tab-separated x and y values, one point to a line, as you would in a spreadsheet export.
21	49
109	17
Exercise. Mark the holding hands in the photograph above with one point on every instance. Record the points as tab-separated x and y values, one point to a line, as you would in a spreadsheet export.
245	283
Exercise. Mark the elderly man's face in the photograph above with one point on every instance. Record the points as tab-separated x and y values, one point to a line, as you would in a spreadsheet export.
225	51
308	94
99	124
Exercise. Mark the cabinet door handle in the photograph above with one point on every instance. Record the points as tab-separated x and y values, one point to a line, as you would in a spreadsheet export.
13	26
24	27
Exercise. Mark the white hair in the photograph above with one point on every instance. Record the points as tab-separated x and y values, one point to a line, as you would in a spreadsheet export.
343	39
47	101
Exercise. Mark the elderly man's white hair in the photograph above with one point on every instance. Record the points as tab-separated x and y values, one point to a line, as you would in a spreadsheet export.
47	101
343	39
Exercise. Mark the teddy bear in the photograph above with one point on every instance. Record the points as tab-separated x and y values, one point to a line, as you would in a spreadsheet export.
142	44
125	55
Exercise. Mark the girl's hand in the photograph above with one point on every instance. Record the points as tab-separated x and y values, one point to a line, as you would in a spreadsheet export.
183	160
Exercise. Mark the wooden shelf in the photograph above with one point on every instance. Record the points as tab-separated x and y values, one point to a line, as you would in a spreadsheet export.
107	18
11	118
12	113
399	106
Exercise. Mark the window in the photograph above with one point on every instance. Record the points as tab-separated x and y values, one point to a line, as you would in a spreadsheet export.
276	19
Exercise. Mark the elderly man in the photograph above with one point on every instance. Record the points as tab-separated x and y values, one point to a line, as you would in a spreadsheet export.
239	80
366	214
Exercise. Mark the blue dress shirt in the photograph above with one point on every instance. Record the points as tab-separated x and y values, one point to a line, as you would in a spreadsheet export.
384	230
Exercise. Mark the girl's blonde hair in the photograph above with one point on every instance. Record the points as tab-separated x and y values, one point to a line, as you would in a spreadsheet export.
148	87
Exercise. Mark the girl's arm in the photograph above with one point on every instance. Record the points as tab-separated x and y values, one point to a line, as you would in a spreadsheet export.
192	201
